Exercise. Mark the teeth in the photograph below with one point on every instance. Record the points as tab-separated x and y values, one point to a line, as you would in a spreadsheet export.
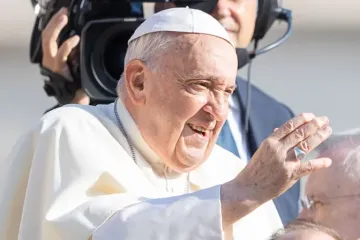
198	128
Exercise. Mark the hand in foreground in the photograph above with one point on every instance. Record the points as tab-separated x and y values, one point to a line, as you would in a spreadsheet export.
274	167
55	58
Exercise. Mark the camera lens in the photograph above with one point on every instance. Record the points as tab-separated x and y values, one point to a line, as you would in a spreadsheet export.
103	53
107	57
114	59
113	56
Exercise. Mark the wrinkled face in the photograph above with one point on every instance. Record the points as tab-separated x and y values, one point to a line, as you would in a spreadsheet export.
238	17
335	200
185	103
306	235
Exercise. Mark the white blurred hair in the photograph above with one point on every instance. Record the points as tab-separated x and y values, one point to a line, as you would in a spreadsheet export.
346	144
148	48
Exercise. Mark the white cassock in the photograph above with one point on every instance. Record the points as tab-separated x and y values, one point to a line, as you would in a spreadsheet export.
73	177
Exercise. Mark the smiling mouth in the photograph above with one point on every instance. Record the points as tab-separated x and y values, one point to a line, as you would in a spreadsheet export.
200	130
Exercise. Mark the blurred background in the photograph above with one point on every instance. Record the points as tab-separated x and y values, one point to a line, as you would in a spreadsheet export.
316	70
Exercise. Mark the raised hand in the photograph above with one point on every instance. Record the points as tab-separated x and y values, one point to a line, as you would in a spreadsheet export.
274	167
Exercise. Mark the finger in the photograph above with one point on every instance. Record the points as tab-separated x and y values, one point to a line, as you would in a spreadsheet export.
52	30
275	129
304	132
81	98
315	140
291	125
66	48
307	167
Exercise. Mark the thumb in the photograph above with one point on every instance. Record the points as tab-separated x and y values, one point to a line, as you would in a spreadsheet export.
310	166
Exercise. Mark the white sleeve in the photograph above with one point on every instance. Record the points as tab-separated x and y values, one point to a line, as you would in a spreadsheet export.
192	216
64	182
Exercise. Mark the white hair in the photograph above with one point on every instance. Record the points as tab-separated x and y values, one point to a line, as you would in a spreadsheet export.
148	48
347	145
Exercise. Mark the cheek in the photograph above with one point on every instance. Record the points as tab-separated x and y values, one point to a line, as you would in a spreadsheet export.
188	106
325	215
181	110
168	111
248	18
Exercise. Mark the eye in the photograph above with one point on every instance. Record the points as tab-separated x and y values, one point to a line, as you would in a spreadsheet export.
229	91
201	86
198	87
204	84
316	205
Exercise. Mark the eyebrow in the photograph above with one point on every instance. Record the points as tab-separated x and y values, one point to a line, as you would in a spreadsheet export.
234	86
211	78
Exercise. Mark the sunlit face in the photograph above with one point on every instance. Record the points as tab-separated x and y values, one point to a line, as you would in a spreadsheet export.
238	17
186	102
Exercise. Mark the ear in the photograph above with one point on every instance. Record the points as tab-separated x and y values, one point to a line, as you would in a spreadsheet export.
135	81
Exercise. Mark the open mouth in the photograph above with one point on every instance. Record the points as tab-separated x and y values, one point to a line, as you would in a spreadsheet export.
200	130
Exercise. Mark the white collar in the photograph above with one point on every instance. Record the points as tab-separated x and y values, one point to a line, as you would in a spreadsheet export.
138	141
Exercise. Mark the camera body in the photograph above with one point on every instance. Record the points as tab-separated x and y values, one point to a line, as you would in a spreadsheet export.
102	57
104	27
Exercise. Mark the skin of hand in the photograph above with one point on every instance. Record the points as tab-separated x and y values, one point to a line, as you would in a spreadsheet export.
274	168
55	57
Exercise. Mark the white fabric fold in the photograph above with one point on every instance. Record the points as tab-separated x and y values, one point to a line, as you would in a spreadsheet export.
190	216
73	172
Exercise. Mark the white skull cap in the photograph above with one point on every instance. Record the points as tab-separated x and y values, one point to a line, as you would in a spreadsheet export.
182	20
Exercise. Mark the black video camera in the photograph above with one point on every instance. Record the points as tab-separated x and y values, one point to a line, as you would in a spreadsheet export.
105	27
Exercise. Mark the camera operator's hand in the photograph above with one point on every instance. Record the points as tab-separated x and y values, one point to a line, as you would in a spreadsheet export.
274	168
55	58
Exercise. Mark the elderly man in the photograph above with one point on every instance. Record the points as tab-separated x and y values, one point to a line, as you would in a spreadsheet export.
305	230
238	18
146	166
333	195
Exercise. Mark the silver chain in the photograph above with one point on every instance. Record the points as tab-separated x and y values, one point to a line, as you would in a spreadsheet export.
122	129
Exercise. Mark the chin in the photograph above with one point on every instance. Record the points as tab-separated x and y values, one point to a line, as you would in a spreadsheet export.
188	156
190	161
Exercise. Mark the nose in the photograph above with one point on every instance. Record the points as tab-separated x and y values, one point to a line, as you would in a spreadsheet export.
217	106
222	9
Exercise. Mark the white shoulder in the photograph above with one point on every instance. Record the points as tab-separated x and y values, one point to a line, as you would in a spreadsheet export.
72	112
73	115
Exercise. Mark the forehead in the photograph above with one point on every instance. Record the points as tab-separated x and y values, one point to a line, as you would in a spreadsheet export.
200	54
338	178
322	183
331	182
326	183
317	182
